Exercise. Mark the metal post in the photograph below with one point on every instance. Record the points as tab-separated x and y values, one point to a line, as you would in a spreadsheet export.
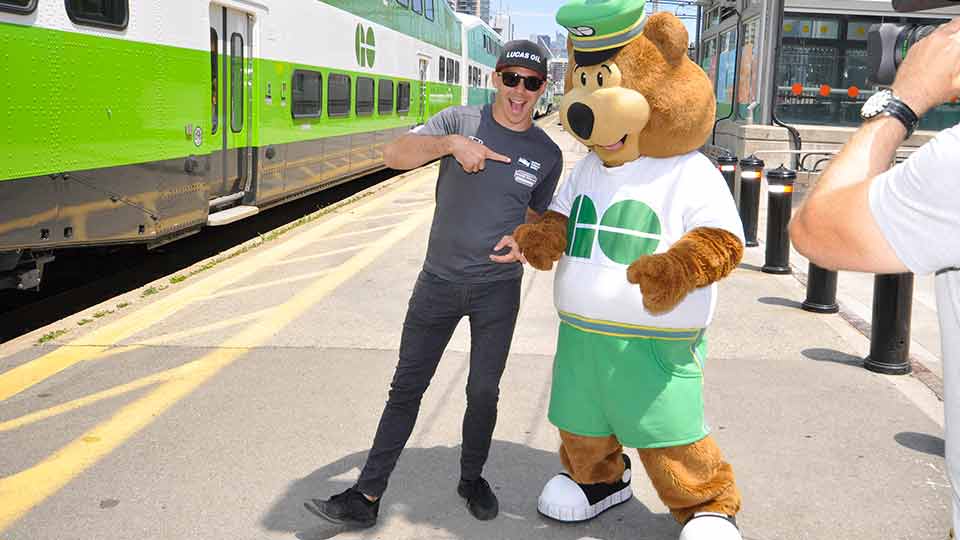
751	168
727	163
890	334
779	203
821	290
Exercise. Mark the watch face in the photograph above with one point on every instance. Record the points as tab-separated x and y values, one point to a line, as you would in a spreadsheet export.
875	104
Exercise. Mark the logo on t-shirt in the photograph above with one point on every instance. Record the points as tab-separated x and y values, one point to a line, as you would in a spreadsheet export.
529	163
627	230
525	178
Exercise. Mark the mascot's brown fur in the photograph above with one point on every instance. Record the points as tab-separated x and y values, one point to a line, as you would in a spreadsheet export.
665	106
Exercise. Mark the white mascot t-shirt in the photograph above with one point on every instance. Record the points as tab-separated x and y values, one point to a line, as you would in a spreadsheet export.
617	214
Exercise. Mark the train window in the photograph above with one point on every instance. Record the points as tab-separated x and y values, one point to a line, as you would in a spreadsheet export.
18	6
214	79
403	3
307	94
443	69
450	70
338	95
105	13
416	6
403	97
364	96
385	96
236	83
428	9
456	71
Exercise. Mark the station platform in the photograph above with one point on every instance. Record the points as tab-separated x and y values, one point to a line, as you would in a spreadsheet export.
211	404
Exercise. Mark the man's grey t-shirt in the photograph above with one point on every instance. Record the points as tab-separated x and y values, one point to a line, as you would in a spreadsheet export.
917	207
474	211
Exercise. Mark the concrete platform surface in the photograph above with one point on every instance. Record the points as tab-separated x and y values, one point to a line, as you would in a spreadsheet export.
211	409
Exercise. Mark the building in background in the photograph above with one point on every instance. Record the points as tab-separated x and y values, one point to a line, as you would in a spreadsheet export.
477	8
557	68
818	82
503	24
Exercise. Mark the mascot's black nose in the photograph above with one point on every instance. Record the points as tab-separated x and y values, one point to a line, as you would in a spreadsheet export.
581	120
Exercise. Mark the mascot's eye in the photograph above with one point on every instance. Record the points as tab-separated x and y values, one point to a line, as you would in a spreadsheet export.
583	79
600	79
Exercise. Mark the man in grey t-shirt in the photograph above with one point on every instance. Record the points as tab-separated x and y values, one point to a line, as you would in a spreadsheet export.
496	169
906	218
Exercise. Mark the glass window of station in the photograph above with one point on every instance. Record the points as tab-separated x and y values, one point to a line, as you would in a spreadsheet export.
823	75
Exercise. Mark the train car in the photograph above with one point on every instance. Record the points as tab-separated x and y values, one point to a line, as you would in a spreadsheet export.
481	48
133	121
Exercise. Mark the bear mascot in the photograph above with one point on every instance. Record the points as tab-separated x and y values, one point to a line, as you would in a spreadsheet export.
643	228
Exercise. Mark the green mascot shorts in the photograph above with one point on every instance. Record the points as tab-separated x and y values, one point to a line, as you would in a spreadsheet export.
642	384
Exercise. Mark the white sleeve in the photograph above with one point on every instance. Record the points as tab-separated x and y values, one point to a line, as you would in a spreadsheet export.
563	200
917	205
709	202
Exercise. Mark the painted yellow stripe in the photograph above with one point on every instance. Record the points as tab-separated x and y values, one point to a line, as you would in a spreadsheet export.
619	335
625	325
24	490
18	379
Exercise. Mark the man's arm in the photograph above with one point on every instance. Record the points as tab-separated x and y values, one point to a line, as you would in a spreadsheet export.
411	151
835	228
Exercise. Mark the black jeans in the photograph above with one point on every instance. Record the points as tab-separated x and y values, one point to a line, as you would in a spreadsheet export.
436	307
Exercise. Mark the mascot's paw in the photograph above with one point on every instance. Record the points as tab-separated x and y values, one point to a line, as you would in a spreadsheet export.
663	280
710	526
565	500
540	245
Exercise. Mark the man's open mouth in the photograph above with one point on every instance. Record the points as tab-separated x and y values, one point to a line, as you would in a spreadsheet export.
516	106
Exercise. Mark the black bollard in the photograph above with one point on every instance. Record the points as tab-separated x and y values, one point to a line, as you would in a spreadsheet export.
890	333
779	203
727	163
751	168
821	290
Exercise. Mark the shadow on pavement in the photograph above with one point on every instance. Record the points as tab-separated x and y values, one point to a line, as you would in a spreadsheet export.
921	442
830	355
777	301
422	495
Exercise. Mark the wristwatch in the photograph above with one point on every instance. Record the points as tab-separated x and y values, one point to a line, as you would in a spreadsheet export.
886	103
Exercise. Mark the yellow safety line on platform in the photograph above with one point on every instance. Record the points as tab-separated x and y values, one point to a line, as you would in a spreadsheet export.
249	288
24	490
361	232
314	256
18	379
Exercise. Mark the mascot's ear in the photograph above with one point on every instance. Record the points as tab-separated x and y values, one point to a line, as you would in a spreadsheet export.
568	75
667	32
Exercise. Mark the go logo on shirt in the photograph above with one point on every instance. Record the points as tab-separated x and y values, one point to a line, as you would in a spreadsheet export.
627	230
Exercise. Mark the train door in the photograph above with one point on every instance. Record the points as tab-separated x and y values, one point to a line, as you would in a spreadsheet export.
424	70
232	33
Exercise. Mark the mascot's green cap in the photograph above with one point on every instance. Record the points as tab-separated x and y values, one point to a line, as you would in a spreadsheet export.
599	28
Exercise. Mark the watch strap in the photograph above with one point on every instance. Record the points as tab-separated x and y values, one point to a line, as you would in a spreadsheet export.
902	112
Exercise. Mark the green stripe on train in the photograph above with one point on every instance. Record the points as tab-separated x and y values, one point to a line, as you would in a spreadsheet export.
84	102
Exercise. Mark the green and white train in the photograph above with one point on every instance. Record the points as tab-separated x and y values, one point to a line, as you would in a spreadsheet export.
140	121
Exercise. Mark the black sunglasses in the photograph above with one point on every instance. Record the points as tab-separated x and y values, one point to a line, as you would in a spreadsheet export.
512	79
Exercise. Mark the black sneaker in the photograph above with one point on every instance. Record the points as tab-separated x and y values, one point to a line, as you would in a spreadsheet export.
481	501
350	508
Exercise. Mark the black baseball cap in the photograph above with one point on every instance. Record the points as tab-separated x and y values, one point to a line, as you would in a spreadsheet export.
523	53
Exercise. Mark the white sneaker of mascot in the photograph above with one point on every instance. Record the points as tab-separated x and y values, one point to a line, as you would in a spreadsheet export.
710	526
565	500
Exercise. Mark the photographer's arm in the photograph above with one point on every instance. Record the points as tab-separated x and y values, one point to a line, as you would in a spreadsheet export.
835	228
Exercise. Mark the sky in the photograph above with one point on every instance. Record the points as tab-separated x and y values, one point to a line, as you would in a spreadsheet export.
537	16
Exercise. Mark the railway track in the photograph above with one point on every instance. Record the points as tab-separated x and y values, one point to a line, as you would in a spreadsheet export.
74	282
